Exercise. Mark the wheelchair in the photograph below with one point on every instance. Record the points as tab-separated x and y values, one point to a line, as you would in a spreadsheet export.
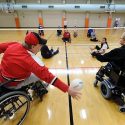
110	87
15	104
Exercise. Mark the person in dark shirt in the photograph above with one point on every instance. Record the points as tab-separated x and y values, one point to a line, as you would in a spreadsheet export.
93	36
59	31
117	56
40	30
48	53
89	32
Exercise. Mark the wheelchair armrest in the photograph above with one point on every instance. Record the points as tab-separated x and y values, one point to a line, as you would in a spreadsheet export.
101	71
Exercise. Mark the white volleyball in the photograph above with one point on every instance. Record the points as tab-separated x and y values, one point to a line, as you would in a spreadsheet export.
77	84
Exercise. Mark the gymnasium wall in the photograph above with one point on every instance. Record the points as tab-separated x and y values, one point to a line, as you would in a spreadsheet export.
54	18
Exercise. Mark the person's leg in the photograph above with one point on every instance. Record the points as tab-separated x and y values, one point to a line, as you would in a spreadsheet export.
92	48
69	40
91	39
97	47
88	35
94	40
64	39
51	49
58	34
31	79
55	52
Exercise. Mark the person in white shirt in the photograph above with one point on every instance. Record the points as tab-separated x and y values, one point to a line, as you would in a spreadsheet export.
102	49
65	23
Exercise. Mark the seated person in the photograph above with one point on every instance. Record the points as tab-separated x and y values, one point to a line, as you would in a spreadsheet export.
66	36
40	31
75	32
19	61
117	22
93	36
102	49
59	31
48	53
89	32
117	56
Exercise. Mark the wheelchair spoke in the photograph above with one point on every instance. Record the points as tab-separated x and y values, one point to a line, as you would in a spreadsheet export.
13	108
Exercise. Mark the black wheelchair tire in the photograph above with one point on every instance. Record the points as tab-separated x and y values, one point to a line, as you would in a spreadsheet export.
105	90
122	109
95	83
14	94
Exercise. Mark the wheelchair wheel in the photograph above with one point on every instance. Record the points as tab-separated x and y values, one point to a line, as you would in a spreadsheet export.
105	90
14	107
95	83
122	109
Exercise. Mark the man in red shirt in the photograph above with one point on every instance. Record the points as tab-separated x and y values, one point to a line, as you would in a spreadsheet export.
20	61
66	36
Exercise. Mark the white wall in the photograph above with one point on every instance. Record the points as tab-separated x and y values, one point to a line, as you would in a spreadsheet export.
7	20
52	19
28	18
75	19
98	20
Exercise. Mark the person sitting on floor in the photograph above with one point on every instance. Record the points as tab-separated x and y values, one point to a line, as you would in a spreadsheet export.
48	53
66	36
89	32
59	31
102	49
40	30
75	32
93	36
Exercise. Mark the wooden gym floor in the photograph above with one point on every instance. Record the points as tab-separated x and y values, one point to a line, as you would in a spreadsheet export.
55	109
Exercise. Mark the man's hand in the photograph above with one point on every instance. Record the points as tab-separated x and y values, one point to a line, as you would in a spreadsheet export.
75	94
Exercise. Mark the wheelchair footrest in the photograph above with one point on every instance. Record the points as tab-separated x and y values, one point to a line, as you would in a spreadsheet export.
39	89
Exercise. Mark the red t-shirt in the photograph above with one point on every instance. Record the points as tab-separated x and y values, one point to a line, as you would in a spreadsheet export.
66	35
18	62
